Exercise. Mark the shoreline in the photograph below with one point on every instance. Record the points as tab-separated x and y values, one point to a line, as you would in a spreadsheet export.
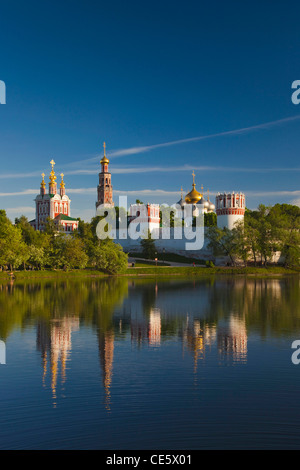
151	271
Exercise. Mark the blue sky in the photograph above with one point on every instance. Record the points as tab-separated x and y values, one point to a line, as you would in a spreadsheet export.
211	80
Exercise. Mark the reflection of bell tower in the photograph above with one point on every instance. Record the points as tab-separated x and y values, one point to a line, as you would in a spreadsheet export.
154	327
106	351
194	339
105	191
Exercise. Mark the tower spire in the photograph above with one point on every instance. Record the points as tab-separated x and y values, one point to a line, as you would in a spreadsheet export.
62	189
52	176
52	179
43	185
104	189
62	183
104	160
194	184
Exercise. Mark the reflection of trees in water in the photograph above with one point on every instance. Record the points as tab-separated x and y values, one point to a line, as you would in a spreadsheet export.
93	302
210	313
58	309
266	304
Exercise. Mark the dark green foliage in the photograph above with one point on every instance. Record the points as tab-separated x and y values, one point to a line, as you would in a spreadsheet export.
265	231
22	246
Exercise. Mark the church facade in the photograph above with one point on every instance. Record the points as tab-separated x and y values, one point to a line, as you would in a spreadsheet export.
54	205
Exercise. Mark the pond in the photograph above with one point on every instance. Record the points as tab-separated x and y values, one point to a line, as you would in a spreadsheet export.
150	364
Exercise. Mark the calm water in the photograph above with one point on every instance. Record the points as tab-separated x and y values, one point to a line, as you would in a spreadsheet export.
118	364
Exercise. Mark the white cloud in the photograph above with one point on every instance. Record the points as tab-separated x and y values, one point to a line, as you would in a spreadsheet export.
21	209
81	190
20	193
295	202
147	192
244	130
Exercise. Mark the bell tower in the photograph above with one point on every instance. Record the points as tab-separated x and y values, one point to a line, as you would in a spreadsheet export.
104	189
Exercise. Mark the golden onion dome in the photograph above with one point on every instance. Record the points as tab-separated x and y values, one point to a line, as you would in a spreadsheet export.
104	160
193	196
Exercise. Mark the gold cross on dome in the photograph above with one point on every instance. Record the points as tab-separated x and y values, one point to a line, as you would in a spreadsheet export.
62	175
52	163
43	175
193	177
104	147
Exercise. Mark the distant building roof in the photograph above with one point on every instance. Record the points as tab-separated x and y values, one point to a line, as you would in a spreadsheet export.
65	217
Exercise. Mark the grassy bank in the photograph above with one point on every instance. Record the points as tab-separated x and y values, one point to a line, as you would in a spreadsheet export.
153	271
198	271
52	274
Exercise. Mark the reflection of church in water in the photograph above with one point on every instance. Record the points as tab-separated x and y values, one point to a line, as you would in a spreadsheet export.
147	318
229	336
147	329
54	343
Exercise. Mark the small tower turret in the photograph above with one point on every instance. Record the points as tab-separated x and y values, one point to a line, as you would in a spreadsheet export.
43	185
62	189
230	207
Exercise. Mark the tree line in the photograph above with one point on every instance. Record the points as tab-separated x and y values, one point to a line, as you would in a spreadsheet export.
21	246
264	232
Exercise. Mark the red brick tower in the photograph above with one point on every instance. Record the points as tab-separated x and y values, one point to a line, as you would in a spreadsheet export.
105	191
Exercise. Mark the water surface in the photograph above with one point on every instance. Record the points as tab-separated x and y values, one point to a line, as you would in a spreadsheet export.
139	364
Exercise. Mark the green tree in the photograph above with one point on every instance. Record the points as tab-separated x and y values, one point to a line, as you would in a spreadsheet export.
109	257
36	256
285	218
223	242
67	252
242	244
13	250
210	219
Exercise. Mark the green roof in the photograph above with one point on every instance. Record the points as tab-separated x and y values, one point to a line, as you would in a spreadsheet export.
65	217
